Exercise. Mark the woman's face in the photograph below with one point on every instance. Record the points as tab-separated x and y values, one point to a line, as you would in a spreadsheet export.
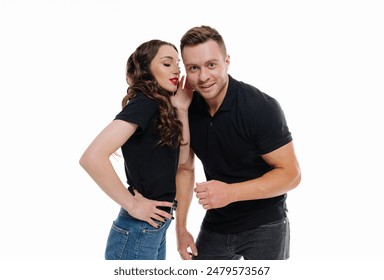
165	68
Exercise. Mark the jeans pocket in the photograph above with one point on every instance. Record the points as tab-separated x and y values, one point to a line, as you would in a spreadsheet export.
116	243
275	224
119	230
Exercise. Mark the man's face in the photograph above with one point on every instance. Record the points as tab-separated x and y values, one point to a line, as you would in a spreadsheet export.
206	67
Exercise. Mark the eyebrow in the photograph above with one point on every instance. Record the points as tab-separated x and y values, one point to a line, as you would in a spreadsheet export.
167	57
207	62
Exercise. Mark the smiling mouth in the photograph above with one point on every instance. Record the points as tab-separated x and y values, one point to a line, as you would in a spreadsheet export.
174	81
206	86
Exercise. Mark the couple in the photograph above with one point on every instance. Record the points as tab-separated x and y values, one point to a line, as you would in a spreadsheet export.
238	132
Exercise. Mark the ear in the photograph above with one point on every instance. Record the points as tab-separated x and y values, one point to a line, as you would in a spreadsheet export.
227	60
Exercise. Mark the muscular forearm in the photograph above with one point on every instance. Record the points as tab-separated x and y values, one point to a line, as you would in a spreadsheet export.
284	176
274	183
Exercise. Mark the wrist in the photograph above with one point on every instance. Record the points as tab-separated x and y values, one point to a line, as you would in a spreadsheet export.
182	112
130	205
233	192
181	229
181	222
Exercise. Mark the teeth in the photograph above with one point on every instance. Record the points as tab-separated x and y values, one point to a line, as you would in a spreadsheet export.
206	86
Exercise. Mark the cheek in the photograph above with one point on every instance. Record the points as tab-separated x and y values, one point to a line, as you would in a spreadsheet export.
159	78
192	80
167	85
161	82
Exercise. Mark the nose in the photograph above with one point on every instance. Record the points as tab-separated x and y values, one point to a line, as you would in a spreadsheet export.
177	70
203	74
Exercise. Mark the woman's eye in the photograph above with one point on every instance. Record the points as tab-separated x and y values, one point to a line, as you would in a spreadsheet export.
167	64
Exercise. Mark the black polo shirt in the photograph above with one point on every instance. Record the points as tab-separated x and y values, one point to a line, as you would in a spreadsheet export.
150	168
248	124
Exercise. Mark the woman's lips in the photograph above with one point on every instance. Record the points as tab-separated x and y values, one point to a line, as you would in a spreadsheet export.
174	81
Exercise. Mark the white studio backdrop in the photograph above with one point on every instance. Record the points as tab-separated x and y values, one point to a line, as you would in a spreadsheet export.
62	80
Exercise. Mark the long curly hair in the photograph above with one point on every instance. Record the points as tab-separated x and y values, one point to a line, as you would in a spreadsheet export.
140	79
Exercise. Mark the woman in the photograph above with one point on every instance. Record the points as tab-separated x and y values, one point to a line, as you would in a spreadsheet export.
153	134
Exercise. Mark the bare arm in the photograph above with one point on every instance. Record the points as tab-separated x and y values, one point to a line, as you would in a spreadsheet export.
284	177
181	101
185	181
96	162
184	147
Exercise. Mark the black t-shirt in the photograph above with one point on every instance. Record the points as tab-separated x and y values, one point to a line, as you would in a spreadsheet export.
248	124
150	168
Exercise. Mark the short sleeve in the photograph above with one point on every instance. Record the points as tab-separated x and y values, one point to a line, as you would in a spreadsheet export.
272	130
140	110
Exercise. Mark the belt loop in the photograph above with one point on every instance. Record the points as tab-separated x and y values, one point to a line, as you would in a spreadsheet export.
174	206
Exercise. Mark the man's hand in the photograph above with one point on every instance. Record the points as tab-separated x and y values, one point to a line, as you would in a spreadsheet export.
214	194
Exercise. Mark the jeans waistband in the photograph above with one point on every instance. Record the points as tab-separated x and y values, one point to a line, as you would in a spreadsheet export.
169	209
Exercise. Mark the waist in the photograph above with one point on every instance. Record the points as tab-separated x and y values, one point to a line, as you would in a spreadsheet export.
166	209
247	215
169	209
156	194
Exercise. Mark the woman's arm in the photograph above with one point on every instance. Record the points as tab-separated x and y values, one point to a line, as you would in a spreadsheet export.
96	161
181	101
184	184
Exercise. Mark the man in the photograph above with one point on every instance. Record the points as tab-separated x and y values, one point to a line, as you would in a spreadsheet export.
242	139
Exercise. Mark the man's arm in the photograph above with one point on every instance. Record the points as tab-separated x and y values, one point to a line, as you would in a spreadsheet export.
184	184
284	176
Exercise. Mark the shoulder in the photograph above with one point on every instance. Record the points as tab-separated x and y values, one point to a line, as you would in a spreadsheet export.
142	98
251	98
140	108
257	106
247	92
142	102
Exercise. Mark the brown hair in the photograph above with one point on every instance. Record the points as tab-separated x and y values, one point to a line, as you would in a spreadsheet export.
141	80
201	34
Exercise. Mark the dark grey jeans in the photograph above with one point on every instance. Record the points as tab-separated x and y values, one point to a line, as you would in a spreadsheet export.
267	242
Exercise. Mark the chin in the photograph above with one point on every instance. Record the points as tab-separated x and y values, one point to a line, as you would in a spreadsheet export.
172	90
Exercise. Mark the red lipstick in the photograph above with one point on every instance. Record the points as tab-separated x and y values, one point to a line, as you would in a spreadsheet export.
174	81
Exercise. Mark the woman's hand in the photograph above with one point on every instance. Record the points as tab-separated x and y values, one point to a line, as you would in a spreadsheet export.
146	209
183	96
181	101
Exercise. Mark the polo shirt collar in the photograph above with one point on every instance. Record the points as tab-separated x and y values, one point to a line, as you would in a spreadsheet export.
229	98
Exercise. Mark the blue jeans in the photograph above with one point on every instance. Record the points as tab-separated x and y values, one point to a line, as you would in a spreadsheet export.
132	239
267	242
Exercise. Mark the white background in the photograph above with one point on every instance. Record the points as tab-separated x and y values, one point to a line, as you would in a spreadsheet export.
62	79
